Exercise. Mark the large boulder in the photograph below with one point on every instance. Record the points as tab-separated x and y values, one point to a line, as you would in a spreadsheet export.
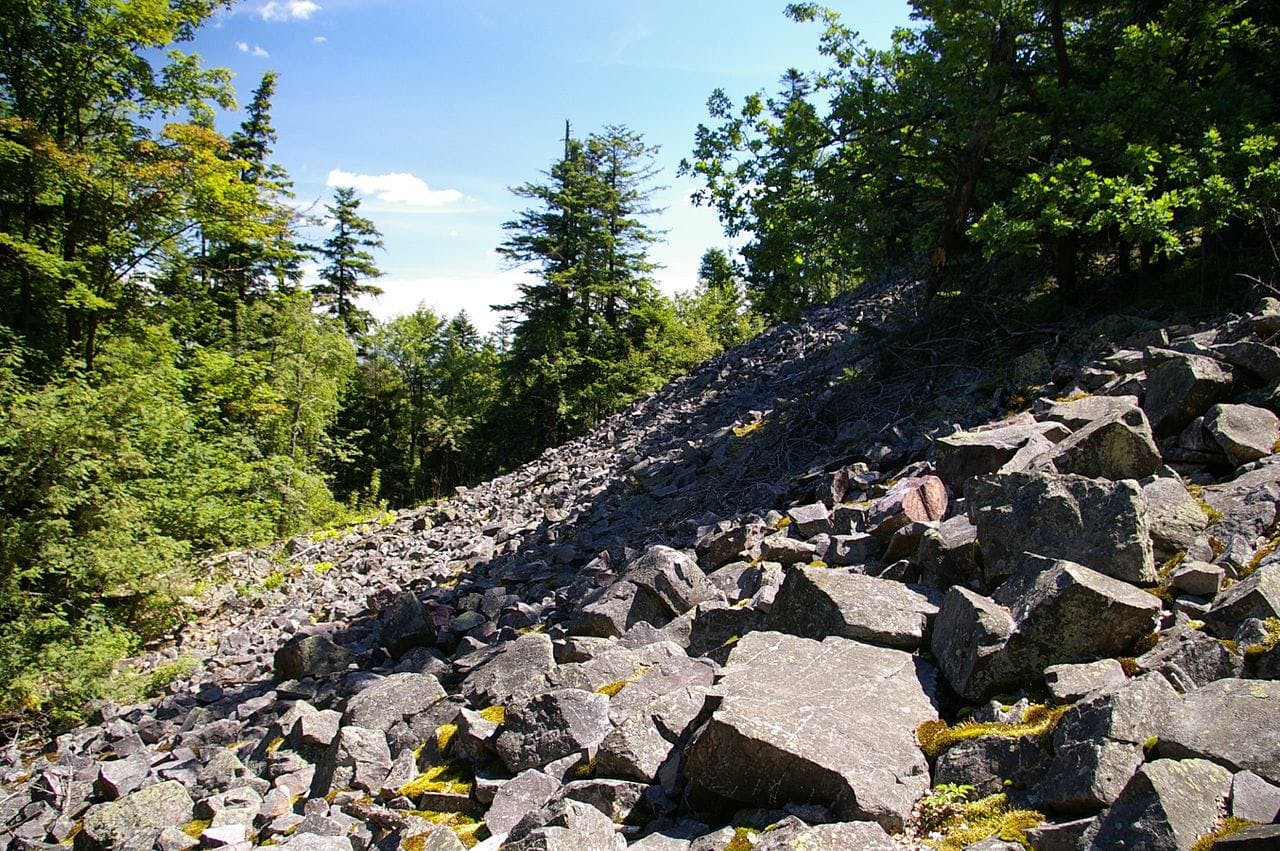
647	740
1244	432
1232	722
135	820
1047	614
1168	804
310	656
673	578
551	725
357	759
407	707
966	454
1099	524
1173	515
829	722
610	611
516	669
816	602
1255	596
1182	388
1099	742
1117	446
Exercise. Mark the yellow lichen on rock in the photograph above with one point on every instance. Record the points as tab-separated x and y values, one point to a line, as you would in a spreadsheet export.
935	737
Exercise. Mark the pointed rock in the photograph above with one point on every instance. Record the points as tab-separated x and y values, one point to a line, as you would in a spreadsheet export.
1168	804
816	602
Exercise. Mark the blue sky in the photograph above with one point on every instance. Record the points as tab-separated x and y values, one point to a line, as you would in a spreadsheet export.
434	109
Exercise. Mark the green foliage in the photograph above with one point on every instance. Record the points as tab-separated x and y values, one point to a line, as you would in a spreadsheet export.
718	306
349	262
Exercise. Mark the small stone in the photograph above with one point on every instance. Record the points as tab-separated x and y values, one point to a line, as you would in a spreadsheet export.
1254	799
1069	683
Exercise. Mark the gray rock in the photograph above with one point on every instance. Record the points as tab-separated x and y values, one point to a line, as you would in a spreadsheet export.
949	555
841	836
815	602
173	839
425	836
1069	683
912	499
406	624
357	759
117	778
1060	836
316	842
672	577
1253	798
641	745
729	542
406	707
552	725
310	656
136	819
518	669
988	763
523	794
566	826
1232	722
737	580
1252	356
1168	804
1197	577
1099	743
623	801
1182	388
1188	658
810	520
1078	413
1258	837
1174	517
609	612
1047	614
966	454
830	723
1256	596
1117	446
787	551
317	729
1099	524
849	550
1244	432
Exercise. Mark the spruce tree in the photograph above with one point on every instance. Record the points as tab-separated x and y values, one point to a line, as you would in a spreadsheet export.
349	263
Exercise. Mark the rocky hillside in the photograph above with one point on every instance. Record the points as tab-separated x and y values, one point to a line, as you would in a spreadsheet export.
786	602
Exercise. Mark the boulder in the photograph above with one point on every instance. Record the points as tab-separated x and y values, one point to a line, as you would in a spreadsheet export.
829	722
620	800
1230	721
992	764
1188	659
673	578
552	725
1253	357
1069	683
646	740
1099	744
357	759
1257	837
1174	518
949	555
794	834
527	792
610	611
1047	614
1167	804
1244	432
849	550
406	707
516	669
1079	413
117	778
310	656
566	825
729	541
1182	388
815	602
1253	798
136	819
406	624
1118	446
1256	596
966	454
810	520
915	498
1099	524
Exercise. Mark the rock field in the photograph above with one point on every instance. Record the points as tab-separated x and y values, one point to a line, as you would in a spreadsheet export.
786	602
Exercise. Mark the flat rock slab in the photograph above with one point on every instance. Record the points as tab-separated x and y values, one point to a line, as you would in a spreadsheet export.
552	725
829	722
1182	388
1244	432
1099	524
966	454
815	602
518	669
1118	446
1168	804
1233	722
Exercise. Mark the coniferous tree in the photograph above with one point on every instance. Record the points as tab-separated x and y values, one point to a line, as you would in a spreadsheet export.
349	263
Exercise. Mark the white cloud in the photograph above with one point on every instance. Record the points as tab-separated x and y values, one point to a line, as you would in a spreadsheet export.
395	188
319	40
288	10
256	50
453	233
242	46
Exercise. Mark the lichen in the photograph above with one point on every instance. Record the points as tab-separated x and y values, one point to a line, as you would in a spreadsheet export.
1228	827
195	827
610	689
744	839
494	714
448	777
468	830
961	823
1037	720
444	735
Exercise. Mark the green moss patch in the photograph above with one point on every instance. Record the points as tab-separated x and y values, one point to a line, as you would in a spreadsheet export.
1038	720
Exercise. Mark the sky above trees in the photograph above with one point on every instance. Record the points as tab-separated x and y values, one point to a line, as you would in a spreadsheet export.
432	110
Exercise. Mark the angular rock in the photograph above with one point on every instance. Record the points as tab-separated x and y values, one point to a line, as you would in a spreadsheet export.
566	826
990	764
1232	722
966	454
620	800
523	794
1252	356
551	725
405	625
729	542
358	759
1197	577
849	550
1253	798
641	745
786	551
1099	524
611	611
815	602
117	778
1188	658
310	656
1069	683
830	723
1079	413
1256	596
841	836
672	577
1099	743
810	520
518	669
136	819
970	635
911	499
1118	446
1258	837
1244	432
1060	836
1167	804
1174	518
949	555
406	707
1182	388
